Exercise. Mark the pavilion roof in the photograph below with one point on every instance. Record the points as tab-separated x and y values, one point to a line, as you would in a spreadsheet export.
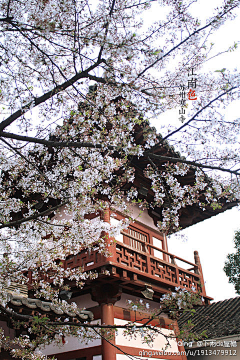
188	215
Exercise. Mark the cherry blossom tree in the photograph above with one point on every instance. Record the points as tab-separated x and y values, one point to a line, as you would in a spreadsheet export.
78	82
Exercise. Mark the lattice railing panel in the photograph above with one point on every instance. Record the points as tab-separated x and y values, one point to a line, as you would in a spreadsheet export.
163	271
84	259
189	280
131	258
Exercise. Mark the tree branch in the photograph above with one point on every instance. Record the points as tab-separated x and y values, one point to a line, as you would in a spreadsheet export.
14	315
76	144
48	95
106	31
99	326
185	40
32	217
179	160
29	162
193	118
58	144
115	346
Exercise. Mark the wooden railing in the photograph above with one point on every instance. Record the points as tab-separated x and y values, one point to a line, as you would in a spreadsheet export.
143	262
155	268
148	248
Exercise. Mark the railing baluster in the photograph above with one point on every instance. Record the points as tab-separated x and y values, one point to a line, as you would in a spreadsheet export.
173	261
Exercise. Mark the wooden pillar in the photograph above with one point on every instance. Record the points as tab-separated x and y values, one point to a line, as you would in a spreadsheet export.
199	267
105	215
111	246
106	294
107	317
165	248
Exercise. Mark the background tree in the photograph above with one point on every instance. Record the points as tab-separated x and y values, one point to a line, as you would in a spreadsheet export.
232	265
65	147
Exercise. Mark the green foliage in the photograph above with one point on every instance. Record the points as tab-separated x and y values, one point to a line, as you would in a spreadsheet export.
215	206
222	71
232	265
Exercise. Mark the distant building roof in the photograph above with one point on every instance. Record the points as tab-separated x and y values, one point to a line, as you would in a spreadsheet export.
219	319
20	304
29	304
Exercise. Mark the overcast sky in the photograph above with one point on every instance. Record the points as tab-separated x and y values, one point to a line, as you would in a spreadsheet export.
213	239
